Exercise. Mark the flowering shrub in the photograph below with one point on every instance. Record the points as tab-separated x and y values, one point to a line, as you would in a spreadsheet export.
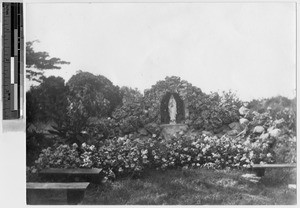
123	157
277	128
286	149
63	156
277	107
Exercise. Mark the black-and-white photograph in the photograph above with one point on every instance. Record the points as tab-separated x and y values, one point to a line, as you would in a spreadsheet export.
161	103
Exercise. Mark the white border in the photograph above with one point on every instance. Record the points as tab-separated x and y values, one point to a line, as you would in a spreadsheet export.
13	139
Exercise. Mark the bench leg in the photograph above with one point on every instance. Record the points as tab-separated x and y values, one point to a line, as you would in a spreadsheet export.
75	196
259	171
29	196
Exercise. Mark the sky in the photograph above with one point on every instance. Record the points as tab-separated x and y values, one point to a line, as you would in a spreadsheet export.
249	48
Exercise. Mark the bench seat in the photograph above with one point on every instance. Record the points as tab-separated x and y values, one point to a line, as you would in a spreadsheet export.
70	175
58	186
71	171
75	190
259	169
274	166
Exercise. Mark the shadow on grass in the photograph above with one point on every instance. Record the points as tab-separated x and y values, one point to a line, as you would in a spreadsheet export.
189	187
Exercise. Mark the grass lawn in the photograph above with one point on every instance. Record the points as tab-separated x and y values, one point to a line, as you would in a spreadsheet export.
189	187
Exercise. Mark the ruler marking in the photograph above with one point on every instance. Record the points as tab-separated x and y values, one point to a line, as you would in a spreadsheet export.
11	96
12	28
16	15
15	97
12	70
16	70
21	101
15	40
13	60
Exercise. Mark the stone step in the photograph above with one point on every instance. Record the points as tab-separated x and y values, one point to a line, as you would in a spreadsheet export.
251	177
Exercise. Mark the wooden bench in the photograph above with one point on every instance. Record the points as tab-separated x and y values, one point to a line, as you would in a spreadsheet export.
260	169
75	191
71	175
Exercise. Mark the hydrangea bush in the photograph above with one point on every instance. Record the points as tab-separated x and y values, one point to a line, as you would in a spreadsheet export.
123	157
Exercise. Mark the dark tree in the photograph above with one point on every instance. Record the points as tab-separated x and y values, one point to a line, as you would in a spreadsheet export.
38	62
89	98
47	102
94	96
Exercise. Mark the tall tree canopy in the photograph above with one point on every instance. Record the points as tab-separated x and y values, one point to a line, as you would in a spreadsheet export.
37	62
95	96
47	102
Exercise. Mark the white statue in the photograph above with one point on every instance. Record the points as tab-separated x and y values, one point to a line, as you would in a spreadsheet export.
172	110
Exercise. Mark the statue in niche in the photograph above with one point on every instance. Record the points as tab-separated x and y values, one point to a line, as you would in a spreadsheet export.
172	110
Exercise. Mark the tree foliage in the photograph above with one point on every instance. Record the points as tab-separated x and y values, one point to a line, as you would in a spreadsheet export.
130	116
90	100
37	62
47	101
93	96
213	111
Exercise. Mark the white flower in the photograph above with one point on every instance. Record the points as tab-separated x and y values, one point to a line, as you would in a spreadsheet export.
104	179
206	138
121	138
251	154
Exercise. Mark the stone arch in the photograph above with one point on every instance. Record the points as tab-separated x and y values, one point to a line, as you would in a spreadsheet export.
164	110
